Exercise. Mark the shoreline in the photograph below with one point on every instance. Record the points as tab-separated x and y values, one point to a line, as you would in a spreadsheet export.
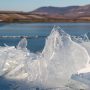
60	21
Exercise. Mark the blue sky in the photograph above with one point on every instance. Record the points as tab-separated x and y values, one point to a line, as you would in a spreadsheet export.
29	5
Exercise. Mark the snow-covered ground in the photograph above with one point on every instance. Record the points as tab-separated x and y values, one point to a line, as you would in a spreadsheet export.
64	64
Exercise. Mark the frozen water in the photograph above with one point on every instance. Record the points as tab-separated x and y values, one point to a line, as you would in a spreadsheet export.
80	39
51	69
64	57
22	44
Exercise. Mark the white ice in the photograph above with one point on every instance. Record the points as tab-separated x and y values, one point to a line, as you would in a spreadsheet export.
52	69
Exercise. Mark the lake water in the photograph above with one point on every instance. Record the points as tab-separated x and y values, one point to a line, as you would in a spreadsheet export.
41	29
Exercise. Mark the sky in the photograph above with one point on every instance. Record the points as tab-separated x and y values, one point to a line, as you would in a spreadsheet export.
30	5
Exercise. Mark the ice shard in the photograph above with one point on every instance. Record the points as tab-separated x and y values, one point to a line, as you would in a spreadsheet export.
64	57
22	44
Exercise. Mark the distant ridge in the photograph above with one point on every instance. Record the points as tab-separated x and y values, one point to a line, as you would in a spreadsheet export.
49	14
52	10
66	12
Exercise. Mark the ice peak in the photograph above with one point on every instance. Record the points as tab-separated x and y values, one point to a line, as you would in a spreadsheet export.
22	44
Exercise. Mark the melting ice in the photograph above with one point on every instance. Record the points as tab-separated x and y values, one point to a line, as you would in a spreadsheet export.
58	67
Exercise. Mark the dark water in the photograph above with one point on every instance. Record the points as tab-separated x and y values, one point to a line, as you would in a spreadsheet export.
41	29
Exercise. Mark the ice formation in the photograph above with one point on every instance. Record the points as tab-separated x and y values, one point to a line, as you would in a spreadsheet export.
61	60
22	44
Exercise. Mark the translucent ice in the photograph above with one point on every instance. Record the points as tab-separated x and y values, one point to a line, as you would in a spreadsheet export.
22	44
52	68
64	57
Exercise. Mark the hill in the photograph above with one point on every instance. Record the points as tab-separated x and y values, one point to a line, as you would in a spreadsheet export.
49	14
70	12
